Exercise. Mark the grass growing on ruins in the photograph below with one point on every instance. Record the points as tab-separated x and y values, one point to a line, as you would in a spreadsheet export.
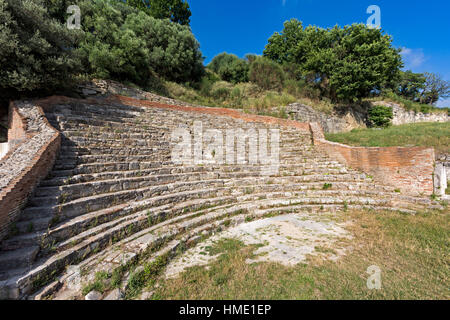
411	250
435	135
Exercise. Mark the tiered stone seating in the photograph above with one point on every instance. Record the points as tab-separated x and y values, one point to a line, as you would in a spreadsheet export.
114	186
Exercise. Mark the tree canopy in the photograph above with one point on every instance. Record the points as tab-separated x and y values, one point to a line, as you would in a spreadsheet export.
176	10
123	42
434	89
34	49
346	63
230	68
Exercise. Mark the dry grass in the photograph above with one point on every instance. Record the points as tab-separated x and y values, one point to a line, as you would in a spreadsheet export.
412	252
245	96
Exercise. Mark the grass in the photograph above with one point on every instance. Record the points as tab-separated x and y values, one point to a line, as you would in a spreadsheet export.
246	96
435	135
410	250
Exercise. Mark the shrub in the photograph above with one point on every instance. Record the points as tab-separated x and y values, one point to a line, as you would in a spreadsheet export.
235	72
33	49
266	74
380	116
292	87
221	93
230	68
124	43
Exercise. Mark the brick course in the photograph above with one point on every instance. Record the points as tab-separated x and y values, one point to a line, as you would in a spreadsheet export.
408	168
14	197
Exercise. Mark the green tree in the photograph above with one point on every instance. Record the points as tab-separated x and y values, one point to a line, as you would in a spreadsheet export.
434	89
124	43
230	68
282	47
176	10
35	50
267	74
411	85
346	64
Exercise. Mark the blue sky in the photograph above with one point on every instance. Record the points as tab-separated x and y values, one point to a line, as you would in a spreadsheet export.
422	28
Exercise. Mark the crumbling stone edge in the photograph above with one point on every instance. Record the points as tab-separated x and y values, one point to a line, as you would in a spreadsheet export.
34	145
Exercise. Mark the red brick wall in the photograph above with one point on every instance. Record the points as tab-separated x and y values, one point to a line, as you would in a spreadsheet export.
410	169
14	197
16	127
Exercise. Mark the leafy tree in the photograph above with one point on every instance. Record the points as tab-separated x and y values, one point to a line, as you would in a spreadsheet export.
230	68
282	47
124	43
267	74
434	89
346	63
380	116
411	85
176	10
58	8
35	50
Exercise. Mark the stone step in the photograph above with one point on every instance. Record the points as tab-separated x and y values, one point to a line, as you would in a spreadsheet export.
141	189
140	243
18	259
79	135
80	228
90	168
54	264
33	225
46	185
71	191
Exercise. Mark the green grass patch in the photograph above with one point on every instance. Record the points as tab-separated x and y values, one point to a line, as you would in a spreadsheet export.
435	135
410	250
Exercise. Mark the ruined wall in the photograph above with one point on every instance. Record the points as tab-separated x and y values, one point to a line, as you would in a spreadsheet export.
344	119
402	116
34	145
410	169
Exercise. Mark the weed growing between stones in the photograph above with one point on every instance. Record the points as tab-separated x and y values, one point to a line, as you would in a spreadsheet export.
411	251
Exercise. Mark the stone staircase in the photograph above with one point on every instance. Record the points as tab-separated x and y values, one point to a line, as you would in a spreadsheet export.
114	192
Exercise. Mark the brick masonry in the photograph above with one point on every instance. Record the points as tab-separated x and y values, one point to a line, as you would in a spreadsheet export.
408	168
15	195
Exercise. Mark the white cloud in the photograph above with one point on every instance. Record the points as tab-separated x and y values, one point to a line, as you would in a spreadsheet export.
283	2
413	58
443	103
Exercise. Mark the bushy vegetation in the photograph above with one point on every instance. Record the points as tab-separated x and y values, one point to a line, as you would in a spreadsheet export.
230	68
176	10
346	64
267	74
380	116
33	49
127	44
117	41
420	90
149	43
